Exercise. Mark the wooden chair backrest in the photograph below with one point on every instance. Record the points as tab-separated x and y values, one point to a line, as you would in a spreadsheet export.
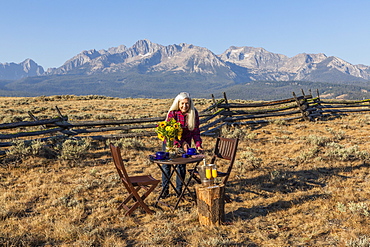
118	162
225	149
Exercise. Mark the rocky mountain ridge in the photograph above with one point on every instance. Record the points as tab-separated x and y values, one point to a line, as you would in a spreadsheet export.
14	71
238	64
146	57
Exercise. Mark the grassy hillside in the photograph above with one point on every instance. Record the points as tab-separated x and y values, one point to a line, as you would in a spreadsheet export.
267	90
293	184
155	85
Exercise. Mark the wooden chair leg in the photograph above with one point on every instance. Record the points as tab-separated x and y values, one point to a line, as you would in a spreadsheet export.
138	203
197	179
140	200
227	198
123	205
148	191
131	196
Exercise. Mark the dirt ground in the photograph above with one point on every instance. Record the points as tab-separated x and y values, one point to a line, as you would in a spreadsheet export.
293	184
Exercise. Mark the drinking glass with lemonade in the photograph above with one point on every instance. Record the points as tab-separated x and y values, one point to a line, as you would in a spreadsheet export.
211	171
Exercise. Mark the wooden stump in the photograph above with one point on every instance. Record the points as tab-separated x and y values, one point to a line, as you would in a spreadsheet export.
211	205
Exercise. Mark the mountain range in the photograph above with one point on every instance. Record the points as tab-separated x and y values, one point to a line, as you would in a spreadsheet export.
14	71
151	70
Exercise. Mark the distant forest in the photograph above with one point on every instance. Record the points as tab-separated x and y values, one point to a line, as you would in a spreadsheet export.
166	85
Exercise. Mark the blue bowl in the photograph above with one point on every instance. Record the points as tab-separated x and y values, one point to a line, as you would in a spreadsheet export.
160	155
192	151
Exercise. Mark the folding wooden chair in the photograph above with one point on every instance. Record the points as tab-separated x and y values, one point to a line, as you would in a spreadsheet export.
225	149
133	184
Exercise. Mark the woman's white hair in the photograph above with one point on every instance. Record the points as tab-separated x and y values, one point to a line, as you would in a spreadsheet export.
191	111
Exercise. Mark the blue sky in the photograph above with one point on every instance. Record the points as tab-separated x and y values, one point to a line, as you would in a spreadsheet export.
52	31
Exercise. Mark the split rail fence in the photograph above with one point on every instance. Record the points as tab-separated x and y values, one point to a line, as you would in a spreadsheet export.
212	119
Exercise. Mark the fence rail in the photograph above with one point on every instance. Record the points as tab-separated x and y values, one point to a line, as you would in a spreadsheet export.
212	119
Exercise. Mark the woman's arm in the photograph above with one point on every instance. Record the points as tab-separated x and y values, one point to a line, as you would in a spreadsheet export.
196	133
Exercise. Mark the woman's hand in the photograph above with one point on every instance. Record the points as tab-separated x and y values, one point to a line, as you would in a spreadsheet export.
200	149
185	146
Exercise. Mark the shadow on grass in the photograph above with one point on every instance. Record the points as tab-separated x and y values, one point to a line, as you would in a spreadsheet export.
257	211
39	239
283	182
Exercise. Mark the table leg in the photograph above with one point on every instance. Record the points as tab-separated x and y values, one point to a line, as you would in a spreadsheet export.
168	182
187	186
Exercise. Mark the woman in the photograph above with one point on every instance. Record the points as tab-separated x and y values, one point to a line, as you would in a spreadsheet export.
184	112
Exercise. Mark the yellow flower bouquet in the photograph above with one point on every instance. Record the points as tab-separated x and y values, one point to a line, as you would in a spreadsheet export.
169	131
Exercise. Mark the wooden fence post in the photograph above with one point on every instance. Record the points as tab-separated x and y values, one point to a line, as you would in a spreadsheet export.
59	112
302	107
318	104
227	109
214	102
226	102
35	118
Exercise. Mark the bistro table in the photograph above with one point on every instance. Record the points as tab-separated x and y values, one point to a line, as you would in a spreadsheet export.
174	162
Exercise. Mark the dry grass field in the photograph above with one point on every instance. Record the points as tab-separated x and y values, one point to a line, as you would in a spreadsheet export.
294	184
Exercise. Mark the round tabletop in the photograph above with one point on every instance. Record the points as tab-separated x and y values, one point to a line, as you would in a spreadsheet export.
179	160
